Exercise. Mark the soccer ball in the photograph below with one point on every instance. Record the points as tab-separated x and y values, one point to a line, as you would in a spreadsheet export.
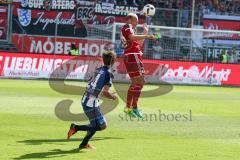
149	10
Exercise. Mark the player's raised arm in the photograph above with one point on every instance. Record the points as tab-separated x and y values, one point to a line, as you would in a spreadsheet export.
145	32
132	20
141	37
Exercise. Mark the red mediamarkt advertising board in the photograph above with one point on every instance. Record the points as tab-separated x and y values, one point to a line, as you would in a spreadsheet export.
15	65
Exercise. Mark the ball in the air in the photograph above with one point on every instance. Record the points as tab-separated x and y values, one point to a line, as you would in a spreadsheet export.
149	10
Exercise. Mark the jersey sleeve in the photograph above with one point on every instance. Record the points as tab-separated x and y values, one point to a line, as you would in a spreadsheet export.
108	79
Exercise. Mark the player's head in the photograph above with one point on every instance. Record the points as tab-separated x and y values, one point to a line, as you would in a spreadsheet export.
132	19
108	58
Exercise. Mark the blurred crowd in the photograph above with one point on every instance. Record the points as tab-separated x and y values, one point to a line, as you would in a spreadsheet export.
229	56
231	7
219	6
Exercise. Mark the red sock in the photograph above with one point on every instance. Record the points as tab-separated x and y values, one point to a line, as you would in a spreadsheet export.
137	93
130	95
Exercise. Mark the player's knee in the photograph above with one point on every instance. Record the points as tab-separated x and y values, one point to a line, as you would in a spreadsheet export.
103	126
143	81
138	80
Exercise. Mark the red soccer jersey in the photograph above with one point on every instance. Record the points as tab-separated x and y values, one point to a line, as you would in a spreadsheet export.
128	45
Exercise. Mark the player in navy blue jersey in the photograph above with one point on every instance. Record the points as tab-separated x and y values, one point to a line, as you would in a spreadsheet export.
98	84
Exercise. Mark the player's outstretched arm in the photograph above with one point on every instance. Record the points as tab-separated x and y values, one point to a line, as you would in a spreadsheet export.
107	94
145	32
141	37
145	29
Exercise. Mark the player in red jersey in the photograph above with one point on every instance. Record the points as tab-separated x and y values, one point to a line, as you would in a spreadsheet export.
132	44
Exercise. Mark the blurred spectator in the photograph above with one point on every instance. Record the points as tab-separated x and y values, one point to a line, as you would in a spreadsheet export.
221	56
2	33
157	50
73	51
230	56
121	2
224	57
80	29
47	5
161	3
110	1
235	57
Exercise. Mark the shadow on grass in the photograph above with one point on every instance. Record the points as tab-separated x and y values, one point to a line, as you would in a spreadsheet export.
50	154
56	141
56	152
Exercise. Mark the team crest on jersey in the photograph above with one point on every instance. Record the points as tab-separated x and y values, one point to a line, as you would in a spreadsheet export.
24	16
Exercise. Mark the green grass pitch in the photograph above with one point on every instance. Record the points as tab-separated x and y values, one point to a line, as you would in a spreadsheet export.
30	130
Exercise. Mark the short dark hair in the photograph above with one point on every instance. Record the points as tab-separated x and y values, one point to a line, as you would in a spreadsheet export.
108	57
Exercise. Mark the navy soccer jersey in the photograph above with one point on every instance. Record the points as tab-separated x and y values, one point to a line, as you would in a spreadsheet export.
101	77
